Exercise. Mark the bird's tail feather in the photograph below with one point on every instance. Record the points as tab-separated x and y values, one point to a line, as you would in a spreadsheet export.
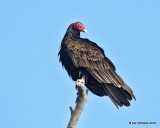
119	96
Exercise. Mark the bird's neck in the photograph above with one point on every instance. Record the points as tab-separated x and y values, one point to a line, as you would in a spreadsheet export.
72	33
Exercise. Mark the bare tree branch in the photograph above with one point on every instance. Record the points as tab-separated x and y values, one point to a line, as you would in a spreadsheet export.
80	102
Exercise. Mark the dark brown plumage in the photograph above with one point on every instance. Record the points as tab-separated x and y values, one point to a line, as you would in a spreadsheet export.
84	58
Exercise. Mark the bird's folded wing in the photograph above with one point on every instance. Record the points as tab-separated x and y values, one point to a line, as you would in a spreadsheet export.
88	55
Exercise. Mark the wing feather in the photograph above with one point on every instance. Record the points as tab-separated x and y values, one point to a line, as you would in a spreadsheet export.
88	55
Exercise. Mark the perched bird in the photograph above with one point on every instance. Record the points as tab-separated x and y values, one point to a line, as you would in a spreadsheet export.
83	58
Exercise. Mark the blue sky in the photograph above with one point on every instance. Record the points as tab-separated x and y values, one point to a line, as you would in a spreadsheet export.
36	92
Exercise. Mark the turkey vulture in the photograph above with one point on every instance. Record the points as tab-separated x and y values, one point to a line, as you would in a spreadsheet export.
84	58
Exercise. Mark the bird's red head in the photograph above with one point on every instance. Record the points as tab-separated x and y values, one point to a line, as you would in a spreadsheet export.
79	27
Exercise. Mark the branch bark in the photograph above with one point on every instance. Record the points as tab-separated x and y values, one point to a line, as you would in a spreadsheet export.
80	103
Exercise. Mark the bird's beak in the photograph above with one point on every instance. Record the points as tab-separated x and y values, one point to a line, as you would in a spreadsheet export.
85	31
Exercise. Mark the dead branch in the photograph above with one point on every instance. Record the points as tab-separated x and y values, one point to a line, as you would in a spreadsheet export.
80	102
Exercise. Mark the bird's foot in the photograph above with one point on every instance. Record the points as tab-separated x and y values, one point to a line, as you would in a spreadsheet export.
80	86
80	83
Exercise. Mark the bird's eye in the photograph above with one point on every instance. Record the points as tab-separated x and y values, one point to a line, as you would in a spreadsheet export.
78	25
